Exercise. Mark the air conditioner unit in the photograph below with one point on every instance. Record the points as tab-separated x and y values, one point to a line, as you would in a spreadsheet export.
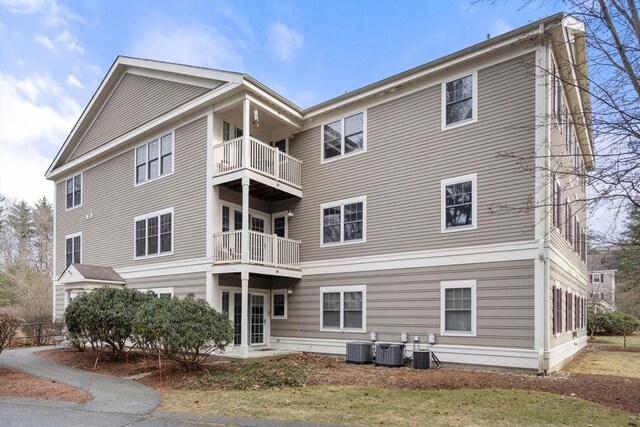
390	354
359	352
421	359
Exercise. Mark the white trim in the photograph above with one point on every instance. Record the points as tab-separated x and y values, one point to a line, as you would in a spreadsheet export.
341	203
146	143
342	290
74	197
158	291
474	100
467	355
473	177
71	236
558	354
266	217
343	154
284	292
173	233
527	250
194	265
456	284
205	82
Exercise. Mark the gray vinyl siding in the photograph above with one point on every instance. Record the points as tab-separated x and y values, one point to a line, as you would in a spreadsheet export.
182	284
58	302
110	195
135	101
408	155
408	300
566	280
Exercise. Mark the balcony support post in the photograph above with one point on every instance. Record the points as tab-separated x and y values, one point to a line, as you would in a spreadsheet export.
244	331
245	220
246	133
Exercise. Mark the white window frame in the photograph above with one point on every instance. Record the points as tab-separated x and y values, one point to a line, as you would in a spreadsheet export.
342	290
173	233
71	236
149	140
286	303
158	291
474	100
74	197
268	222
593	278
285	215
342	144
474	203
455	284
341	203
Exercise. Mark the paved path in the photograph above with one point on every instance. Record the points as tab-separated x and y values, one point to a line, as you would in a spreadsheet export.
116	402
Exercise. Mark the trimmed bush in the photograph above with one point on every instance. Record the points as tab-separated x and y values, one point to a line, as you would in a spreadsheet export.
185	330
105	318
9	325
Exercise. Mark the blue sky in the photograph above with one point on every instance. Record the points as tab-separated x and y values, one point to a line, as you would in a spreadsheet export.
53	54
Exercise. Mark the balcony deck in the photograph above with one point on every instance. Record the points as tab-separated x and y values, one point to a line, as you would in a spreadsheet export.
278	169
265	250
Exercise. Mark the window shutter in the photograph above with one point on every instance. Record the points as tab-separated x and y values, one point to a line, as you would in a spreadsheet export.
601	277
553	311
566	311
591	278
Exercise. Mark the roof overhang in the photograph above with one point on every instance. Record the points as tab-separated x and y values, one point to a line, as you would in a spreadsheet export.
73	275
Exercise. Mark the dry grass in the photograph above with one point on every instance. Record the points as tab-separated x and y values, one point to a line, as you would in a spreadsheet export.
373	406
599	362
632	341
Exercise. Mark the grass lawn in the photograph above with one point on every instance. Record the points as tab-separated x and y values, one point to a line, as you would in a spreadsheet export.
624	364
373	406
632	341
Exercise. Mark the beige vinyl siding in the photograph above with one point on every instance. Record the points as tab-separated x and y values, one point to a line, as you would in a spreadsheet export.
408	155
408	300
58	302
135	101
110	195
565	280
182	284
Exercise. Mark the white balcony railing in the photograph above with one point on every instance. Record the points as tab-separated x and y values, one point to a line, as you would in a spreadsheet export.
263	159
264	249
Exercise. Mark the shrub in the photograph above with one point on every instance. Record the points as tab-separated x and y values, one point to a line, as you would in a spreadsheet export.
185	330
9	324
105	318
614	323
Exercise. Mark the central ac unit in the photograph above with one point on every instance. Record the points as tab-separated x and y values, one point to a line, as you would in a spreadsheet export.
359	352
390	354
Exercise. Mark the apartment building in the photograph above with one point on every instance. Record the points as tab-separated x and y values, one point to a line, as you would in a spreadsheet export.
602	269
437	201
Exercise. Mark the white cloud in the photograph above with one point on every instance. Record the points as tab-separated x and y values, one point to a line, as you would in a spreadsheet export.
53	14
500	27
283	41
73	81
36	115
24	6
189	44
45	41
69	41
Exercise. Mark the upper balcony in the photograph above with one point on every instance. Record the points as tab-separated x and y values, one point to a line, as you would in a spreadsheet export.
268	164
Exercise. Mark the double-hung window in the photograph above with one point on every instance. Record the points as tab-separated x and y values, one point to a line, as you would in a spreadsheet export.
458	307
459	203
459	101
154	234
343	308
279	304
154	159
74	191
73	249
343	221
344	136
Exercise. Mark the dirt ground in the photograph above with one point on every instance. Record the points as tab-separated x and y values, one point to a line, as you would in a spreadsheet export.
17	384
614	392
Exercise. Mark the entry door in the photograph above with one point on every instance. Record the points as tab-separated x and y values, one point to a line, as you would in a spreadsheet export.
257	316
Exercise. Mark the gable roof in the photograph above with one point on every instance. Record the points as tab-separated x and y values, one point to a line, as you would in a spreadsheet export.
94	273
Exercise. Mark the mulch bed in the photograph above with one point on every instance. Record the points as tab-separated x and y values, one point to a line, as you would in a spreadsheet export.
17	384
611	391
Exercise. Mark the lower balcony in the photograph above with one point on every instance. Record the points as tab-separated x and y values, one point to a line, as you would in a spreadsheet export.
265	250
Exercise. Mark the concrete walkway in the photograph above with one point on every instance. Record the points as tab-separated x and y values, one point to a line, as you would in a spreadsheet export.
115	401
109	394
